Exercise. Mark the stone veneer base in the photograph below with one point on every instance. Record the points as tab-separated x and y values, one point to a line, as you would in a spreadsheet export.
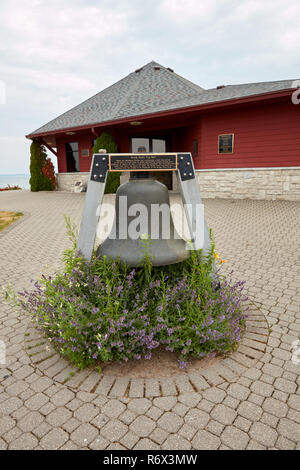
251	183
240	183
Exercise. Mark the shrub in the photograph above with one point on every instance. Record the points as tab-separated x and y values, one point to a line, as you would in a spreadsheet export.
107	142
49	172
102	311
38	161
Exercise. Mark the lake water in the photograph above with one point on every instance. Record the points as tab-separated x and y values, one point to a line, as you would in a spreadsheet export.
21	180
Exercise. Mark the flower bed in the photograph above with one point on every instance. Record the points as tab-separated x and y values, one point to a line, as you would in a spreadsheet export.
100	311
10	188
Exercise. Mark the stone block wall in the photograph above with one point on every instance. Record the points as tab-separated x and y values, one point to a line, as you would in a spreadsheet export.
248	183
67	181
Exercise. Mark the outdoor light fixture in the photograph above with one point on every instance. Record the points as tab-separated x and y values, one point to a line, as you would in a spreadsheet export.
135	123
70	133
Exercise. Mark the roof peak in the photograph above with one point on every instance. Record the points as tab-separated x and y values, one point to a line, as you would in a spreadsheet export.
151	88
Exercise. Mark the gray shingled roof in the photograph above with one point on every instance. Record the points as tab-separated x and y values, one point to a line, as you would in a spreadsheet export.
148	90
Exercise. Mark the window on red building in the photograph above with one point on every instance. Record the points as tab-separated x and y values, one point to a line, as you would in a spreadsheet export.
72	156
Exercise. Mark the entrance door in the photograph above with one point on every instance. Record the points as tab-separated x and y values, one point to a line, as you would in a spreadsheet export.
154	145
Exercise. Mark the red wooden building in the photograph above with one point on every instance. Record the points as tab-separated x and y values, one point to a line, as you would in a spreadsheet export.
244	139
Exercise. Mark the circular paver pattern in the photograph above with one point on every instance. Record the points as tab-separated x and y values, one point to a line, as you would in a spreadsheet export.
252	347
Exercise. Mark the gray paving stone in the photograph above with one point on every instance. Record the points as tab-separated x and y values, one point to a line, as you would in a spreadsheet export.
113	408
170	422
6	424
152	388
115	446
269	420
30	421
137	388
99	443
285	385
180	409
168	387
242	423
289	429
263	434
197	418
205	405
284	444
234	438
223	414
275	407
146	444
165	403
42	430
142	426
215	427
159	435
294	402
86	412
187	431
105	385
54	439
58	417
129	440
198	381
214	394
10	405
71	425
3	444
261	388
12	435
41	384
204	440
253	445
139	405
84	435
128	416
114	430
154	413
26	442
62	397
175	442
238	391
120	386
36	401
91	381
190	399
183	384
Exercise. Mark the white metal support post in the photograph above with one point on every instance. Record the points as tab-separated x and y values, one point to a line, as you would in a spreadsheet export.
95	191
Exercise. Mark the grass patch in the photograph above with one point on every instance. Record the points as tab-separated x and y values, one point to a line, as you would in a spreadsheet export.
7	218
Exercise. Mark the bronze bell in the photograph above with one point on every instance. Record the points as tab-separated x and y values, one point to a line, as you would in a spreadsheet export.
164	244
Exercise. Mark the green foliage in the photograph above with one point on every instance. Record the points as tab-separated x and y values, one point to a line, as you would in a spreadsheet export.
102	310
38	159
107	142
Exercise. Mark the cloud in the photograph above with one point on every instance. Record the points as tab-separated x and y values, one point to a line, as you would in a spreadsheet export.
53	55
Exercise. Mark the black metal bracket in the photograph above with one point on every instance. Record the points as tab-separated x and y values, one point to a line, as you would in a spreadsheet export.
185	166
99	168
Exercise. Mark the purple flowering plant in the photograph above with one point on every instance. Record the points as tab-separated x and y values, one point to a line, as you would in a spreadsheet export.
101	310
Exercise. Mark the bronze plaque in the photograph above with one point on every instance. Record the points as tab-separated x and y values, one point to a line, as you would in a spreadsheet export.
143	162
225	143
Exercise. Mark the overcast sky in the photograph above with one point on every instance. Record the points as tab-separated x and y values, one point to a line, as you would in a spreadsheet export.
56	53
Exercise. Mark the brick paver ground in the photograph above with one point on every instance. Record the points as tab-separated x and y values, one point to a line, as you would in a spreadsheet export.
250	401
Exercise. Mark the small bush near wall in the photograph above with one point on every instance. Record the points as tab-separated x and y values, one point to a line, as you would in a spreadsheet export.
107	142
100	311
41	169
